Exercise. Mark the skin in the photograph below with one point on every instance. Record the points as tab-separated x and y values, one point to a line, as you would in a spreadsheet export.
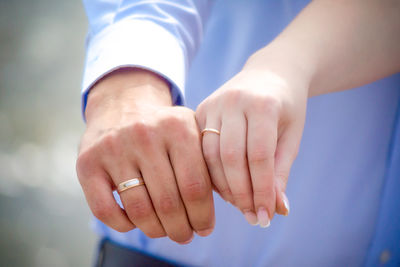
261	119
132	127
131	132
331	46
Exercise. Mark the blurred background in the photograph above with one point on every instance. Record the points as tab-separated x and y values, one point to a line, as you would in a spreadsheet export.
44	218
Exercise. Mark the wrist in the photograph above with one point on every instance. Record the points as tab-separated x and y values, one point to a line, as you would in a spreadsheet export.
285	61
127	88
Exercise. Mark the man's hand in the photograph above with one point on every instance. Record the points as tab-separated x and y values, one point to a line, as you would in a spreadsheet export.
133	131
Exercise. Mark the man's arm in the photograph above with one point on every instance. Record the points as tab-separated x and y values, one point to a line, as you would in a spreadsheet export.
161	36
132	131
134	73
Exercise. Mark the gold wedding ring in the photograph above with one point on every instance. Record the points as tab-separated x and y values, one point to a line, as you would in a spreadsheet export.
210	130
130	184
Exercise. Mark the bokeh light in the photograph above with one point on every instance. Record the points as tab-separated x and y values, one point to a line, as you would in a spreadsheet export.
44	217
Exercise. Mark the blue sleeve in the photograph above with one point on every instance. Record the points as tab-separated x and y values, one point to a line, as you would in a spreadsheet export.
160	35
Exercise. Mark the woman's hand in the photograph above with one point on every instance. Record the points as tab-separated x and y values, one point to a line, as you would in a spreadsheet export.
260	114
133	131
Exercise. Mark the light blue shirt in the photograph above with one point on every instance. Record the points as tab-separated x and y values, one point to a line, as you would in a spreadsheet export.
344	187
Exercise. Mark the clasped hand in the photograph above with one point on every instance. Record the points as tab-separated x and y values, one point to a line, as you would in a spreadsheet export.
134	131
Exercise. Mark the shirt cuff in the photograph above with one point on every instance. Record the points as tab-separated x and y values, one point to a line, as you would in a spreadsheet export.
135	43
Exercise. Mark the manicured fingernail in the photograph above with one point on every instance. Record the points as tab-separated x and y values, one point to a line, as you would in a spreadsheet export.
251	218
286	203
263	217
204	232
187	242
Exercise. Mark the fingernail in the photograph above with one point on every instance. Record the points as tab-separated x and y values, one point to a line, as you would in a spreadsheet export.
286	203
263	218
204	232
251	218
187	242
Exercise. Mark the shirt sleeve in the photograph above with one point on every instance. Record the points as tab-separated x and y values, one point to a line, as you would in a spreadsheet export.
160	35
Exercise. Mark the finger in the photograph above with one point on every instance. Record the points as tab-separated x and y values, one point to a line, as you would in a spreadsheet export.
286	152
193	179
261	143
138	205
234	161
136	201
212	156
161	185
97	187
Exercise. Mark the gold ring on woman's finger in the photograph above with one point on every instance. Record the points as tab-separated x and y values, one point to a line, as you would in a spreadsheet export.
210	130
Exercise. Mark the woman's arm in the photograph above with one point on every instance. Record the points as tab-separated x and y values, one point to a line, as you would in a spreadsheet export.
339	44
332	45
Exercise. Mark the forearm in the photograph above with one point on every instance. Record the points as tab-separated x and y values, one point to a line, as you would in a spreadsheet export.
338	44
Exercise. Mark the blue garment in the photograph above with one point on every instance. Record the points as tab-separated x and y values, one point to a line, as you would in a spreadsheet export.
344	186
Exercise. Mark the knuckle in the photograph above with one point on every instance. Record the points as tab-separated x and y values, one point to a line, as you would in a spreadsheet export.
233	96
200	110
263	194
83	163
188	113
142	131
242	199
174	121
204	109
168	204
259	155
110	143
186	134
194	190
103	212
182	126
268	105
138	209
